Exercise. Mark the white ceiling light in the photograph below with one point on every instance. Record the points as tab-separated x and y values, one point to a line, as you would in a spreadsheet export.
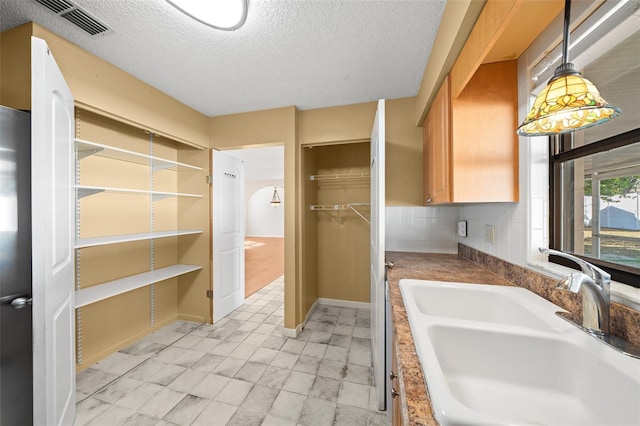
227	15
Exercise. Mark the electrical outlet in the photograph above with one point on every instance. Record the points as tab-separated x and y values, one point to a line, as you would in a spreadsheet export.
490	233
462	228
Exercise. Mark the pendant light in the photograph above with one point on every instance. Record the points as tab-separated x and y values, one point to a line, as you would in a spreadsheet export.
275	200
570	102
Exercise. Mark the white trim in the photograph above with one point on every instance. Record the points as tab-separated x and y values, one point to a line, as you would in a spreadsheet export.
343	303
292	332
309	312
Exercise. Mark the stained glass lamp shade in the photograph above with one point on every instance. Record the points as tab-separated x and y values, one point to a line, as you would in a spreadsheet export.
570	102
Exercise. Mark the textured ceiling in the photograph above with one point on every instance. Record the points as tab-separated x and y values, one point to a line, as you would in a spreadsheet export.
307	53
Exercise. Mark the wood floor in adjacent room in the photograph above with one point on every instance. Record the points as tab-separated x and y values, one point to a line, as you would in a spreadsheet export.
264	262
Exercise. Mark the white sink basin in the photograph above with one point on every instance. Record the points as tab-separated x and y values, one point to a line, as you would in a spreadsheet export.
522	366
480	302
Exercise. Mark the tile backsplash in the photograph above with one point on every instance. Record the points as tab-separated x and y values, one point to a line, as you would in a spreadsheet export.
422	229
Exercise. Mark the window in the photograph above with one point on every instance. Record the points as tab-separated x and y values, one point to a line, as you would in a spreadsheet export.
595	174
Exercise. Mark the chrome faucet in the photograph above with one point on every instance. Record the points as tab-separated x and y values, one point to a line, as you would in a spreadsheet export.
595	284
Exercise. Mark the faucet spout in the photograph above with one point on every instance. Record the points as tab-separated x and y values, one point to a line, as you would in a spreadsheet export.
594	283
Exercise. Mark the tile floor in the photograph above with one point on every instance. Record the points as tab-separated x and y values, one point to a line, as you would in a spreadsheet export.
240	371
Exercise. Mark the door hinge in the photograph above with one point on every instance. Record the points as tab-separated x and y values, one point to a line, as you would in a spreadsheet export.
210	294
209	179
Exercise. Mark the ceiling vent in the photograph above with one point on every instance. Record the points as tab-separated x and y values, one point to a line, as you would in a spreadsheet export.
75	15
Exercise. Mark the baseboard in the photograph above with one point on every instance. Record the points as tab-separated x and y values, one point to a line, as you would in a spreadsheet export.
292	332
343	303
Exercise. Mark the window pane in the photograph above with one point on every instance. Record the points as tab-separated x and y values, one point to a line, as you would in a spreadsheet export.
601	206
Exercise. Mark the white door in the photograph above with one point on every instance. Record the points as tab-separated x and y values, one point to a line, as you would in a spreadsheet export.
52	201
228	234
377	255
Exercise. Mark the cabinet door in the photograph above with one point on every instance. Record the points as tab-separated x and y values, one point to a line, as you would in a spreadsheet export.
396	406
436	149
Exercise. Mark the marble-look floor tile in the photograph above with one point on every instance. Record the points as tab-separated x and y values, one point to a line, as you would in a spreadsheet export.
357	374
166	374
88	409
307	364
250	372
210	386
91	380
228	367
318	412
314	349
325	388
285	360
274	377
143	348
161	403
207	363
117	389
260	399
331	369
354	394
246	417
299	382
240	372
288	406
216	414
188	380
234	392
187	410
112	416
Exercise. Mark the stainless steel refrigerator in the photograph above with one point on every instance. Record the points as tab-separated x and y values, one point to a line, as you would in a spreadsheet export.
16	359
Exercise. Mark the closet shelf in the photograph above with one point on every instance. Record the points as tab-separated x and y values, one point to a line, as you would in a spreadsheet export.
103	291
340	176
327	208
115	239
85	191
87	148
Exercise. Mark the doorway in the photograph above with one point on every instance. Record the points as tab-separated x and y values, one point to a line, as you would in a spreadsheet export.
264	215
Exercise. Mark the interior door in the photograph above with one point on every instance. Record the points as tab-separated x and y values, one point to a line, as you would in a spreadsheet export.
228	234
377	254
52	179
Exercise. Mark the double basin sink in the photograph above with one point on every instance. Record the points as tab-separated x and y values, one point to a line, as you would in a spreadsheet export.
498	355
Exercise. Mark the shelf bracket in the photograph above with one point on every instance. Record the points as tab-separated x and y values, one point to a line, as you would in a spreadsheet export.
88	152
85	192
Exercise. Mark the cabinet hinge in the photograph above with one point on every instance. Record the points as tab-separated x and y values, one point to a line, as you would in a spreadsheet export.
210	179
210	294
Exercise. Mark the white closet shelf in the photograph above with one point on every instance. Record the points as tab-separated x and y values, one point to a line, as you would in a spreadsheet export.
115	239
85	191
340	176
87	148
326	207
103	291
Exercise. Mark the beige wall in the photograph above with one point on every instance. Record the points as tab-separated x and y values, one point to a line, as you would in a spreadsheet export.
118	110
99	86
103	89
268	128
343	236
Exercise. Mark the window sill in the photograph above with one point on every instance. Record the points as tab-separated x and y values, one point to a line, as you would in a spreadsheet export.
620	293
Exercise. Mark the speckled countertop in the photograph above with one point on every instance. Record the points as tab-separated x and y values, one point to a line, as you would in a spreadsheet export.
470	266
416	404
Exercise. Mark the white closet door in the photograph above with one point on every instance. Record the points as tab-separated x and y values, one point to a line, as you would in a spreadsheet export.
52	179
377	253
228	234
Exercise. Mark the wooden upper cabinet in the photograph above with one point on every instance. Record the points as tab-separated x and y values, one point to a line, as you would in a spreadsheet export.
437	148
470	144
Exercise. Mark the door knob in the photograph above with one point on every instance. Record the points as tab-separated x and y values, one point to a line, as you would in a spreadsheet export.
21	302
